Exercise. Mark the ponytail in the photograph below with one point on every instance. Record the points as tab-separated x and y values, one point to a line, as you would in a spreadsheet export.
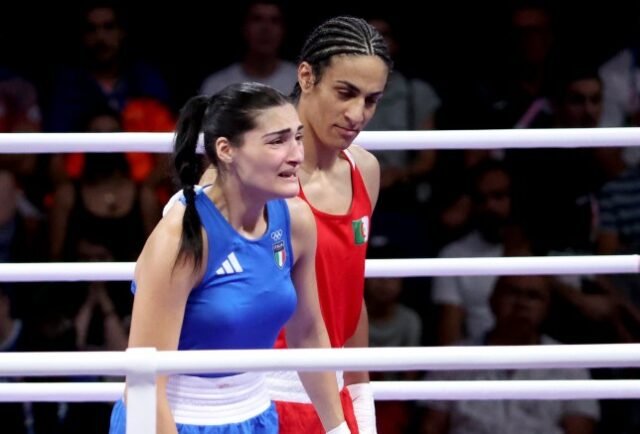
188	167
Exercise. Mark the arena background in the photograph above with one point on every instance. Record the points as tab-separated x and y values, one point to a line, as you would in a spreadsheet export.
188	39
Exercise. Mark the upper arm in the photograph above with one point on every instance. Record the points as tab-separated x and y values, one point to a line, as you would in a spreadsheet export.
162	289
303	274
370	170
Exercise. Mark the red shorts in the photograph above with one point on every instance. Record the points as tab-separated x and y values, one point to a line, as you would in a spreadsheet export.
298	418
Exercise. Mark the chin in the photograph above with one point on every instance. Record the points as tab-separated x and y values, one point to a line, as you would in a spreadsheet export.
287	192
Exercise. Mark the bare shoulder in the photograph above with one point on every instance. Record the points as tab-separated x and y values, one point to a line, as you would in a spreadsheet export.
163	243
303	229
365	160
159	254
302	218
369	167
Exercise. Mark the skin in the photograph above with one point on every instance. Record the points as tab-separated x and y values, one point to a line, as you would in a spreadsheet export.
263	32
581	106
119	189
520	304
333	110
264	167
103	36
493	206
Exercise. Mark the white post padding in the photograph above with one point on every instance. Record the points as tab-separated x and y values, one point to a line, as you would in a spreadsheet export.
141	391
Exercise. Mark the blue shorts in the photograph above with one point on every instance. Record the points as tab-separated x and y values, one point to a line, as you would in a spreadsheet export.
264	423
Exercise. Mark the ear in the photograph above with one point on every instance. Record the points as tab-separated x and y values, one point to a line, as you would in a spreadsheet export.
224	150
306	79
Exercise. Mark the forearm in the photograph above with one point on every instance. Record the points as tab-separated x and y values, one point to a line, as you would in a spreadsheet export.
358	382
322	389
165	421
360	339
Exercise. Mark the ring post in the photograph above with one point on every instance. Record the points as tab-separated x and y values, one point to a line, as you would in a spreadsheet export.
141	391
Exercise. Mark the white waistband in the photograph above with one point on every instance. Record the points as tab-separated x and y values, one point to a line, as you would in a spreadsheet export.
286	386
217	401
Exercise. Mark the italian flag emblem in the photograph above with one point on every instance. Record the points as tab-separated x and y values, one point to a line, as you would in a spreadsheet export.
279	254
361	230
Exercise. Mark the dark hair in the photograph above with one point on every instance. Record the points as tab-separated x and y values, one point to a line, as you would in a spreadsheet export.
230	113
337	36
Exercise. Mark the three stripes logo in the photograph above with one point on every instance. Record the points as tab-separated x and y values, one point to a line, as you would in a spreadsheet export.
230	265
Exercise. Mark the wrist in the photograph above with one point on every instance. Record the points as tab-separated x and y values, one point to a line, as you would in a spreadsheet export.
363	407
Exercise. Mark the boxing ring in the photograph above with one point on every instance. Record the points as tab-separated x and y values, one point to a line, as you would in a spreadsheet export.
141	365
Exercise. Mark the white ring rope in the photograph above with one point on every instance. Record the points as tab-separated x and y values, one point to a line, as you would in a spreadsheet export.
141	365
382	390
525	265
12	143
348	359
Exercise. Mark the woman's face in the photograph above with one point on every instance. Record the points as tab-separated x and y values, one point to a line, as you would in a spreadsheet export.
341	104
268	160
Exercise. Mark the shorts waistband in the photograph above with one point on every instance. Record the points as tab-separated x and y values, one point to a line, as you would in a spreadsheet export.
217	401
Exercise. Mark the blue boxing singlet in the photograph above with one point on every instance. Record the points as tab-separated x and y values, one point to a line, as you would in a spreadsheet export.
246	295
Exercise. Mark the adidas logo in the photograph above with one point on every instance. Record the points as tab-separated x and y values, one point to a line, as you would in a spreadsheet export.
230	265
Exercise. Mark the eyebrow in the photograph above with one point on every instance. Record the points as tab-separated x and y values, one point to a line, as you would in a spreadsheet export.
352	87
282	131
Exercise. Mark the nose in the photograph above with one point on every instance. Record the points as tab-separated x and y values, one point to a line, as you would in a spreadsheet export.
296	156
355	113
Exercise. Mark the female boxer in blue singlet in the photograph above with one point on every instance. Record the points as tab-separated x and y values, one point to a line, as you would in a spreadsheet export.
232	266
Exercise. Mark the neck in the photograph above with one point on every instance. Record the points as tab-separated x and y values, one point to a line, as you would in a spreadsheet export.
317	155
257	65
239	205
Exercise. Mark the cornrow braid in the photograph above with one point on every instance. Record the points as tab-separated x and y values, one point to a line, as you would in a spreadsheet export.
337	36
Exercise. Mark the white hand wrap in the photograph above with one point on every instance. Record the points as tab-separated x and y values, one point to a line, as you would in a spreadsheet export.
178	195
340	429
363	407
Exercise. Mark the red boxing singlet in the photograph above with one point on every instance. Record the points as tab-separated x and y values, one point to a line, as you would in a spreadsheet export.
340	258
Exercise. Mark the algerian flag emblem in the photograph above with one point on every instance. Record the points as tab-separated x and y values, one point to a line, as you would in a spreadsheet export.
361	230
279	254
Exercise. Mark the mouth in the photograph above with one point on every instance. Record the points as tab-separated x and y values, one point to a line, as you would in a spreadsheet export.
290	175
347	133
